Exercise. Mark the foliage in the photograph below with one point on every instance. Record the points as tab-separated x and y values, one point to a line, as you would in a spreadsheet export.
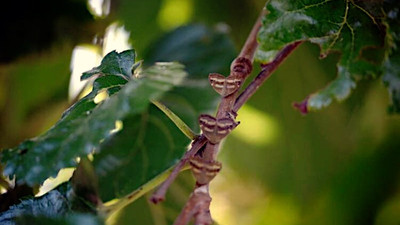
391	66
135	143
87	123
356	29
53	208
130	151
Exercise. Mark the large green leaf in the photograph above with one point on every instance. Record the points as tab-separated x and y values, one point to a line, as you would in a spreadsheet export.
83	127
391	66
150	143
202	50
54	203
348	27
59	206
114	64
71	219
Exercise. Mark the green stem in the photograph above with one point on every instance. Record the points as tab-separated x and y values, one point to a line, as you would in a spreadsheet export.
176	120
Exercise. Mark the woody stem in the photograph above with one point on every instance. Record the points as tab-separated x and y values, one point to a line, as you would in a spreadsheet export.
159	195
265	73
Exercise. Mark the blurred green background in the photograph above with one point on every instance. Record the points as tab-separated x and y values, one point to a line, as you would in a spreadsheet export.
338	166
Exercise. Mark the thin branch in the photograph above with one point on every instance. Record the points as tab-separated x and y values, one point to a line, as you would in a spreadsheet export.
198	207
241	68
198	204
266	71
176	120
159	195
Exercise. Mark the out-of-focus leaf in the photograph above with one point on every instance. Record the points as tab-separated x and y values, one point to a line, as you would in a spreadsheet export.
139	17
391	66
114	64
71	219
202	51
12	196
150	143
53	204
85	183
59	206
348	27
85	125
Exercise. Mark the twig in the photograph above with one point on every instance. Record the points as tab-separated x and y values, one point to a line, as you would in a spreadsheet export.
159	195
198	204
176	120
266	71
241	68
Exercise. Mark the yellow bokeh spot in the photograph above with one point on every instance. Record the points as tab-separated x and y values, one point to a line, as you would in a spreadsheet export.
174	13
256	128
281	210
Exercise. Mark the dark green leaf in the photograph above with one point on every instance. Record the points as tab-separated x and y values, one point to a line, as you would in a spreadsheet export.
349	27
71	219
85	125
150	143
391	66
114	64
200	49
53	204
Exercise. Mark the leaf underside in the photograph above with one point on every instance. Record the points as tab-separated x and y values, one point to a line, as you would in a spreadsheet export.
353	28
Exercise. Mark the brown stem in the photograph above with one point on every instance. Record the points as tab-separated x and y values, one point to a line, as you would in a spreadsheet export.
241	68
198	204
266	71
159	195
197	207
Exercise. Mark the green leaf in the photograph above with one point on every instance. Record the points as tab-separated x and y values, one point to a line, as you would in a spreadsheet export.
202	50
71	219
391	66
349	27
83	127
114	64
149	144
59	206
53	204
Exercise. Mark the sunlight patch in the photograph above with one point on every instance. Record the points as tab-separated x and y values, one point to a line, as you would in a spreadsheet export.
256	127
175	13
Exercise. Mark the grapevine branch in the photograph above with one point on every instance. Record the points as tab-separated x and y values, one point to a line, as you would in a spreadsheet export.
203	153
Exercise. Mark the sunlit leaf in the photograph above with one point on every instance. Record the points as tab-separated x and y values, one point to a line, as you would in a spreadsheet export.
348	27
114	64
86	124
